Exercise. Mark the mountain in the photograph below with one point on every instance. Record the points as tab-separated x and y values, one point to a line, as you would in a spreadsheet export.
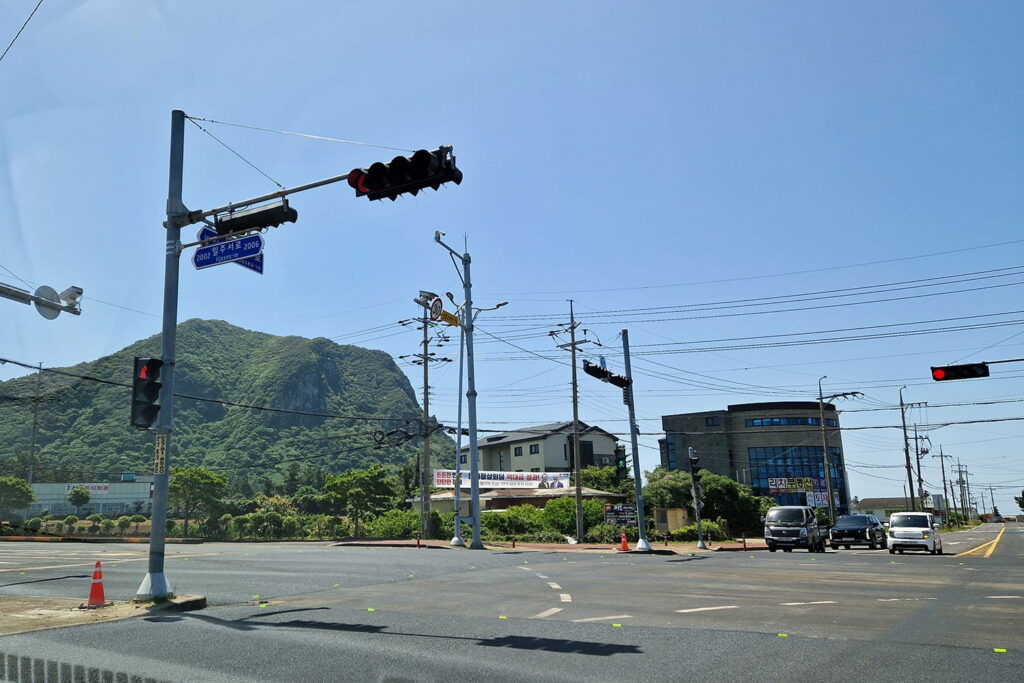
83	431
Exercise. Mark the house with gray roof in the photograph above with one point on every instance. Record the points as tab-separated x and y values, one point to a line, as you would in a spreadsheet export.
543	448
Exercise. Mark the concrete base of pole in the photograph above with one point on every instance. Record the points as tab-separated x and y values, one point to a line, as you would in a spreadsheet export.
154	587
477	546
702	546
643	546
458	542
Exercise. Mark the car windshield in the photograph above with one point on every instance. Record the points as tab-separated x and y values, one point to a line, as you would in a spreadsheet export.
852	520
919	521
784	516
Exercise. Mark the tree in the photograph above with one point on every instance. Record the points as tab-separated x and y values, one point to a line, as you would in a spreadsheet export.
95	519
668	489
605	479
196	491
70	521
378	489
356	506
107	526
34	524
123	523
78	497
137	520
559	514
15	494
1020	500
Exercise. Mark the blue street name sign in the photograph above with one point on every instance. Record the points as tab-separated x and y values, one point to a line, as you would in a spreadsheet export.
245	251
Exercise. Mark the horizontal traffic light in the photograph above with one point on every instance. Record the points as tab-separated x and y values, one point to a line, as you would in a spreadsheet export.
266	216
406	175
595	370
968	371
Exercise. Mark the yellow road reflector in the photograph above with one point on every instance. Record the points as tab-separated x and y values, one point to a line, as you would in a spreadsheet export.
411	575
783	635
616	625
503	617
263	604
370	609
999	649
337	585
255	597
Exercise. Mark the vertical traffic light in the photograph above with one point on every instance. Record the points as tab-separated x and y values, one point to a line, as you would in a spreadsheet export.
621	472
146	392
406	175
695	468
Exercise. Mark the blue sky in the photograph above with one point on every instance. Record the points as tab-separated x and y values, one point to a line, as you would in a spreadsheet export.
631	157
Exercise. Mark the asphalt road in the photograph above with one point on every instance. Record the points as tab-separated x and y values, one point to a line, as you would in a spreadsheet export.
330	613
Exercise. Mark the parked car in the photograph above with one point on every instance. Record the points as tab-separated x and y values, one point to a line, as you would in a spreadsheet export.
914	531
793	526
850	530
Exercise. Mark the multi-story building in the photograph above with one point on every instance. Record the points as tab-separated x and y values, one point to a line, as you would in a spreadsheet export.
776	448
543	448
132	495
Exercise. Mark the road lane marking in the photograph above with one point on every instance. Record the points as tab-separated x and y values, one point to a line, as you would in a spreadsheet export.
554	586
565	597
816	602
620	616
706	609
1004	597
527	569
903	599
547	613
541	576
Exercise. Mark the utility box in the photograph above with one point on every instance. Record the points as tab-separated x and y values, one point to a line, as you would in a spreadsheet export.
670	519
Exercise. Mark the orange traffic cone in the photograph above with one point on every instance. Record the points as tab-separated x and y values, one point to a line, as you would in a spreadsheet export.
625	544
96	597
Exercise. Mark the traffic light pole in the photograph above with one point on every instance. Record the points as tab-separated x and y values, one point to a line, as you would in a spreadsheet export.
155	585
642	544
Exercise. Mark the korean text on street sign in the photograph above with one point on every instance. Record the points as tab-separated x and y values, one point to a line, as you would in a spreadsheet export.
450	318
252	262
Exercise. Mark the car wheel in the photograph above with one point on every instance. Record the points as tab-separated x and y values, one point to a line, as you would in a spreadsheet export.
884	544
938	551
872	545
787	550
835	547
892	551
901	552
771	550
846	547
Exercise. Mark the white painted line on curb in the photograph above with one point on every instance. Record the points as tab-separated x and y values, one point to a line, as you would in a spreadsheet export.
619	616
707	609
565	597
816	602
554	586
547	613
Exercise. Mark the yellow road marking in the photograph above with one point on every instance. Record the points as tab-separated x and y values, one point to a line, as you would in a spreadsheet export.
990	546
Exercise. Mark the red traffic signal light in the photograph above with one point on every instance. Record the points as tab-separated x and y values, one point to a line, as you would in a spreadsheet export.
146	392
968	371
406	175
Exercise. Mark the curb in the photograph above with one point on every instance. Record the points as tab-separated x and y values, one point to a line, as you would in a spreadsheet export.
177	604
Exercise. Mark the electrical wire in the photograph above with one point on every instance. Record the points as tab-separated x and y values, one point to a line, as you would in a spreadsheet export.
33	13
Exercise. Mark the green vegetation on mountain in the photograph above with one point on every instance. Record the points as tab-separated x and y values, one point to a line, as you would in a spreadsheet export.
327	401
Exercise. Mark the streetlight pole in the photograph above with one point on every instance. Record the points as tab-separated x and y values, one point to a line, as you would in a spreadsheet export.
824	444
457	538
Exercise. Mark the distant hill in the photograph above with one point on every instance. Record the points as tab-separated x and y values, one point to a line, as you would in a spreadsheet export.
83	432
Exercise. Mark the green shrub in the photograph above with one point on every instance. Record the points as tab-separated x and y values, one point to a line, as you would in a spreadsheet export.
544	536
712	532
394	524
34	524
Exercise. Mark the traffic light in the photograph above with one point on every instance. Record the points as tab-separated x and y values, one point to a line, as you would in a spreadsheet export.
968	371
595	370
145	392
266	216
621	473
406	174
695	468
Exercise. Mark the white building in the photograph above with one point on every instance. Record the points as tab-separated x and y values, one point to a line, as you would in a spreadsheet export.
544	448
127	497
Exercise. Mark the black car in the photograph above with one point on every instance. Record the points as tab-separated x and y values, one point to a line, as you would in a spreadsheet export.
857	530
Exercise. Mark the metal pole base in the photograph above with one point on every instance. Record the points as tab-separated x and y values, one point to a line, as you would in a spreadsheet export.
154	587
642	546
477	546
458	542
702	546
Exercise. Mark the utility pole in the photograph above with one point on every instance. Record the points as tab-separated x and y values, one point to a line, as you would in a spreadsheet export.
992	498
906	447
457	540
970	497
35	424
942	462
824	445
642	544
917	460
964	502
576	427
424	301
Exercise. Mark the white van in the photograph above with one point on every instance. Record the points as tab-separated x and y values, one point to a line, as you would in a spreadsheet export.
914	531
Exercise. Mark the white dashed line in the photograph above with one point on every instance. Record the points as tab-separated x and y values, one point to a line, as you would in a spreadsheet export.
547	613
554	586
565	597
618	616
527	569
817	602
1003	597
707	609
541	576
902	599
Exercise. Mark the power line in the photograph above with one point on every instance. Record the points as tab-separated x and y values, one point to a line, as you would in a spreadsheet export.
301	135
20	30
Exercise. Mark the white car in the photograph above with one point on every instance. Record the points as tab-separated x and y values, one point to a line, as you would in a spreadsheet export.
914	531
